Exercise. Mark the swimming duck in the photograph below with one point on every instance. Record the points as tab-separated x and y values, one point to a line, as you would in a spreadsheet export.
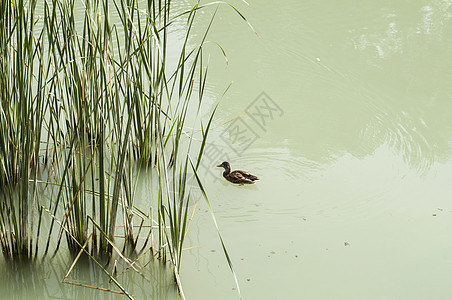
237	176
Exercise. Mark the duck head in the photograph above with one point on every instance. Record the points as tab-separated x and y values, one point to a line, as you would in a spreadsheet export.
226	166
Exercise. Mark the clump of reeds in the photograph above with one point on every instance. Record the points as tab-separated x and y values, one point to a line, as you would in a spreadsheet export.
86	106
23	109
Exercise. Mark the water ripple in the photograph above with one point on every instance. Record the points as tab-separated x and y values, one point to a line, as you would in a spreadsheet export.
281	161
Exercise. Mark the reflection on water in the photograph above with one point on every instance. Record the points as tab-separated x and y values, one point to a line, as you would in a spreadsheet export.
85	281
19	282
388	44
435	17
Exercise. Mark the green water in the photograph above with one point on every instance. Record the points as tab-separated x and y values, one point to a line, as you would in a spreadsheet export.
353	148
355	200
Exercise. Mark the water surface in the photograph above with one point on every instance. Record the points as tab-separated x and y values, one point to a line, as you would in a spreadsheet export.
354	201
352	145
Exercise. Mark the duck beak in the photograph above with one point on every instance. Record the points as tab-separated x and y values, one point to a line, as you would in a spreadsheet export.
219	165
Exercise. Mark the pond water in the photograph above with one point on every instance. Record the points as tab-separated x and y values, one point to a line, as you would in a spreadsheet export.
352	142
342	108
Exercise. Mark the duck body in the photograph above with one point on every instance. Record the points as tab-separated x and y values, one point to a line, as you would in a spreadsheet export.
238	176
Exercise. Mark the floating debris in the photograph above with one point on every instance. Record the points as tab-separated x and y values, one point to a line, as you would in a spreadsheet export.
248	279
346	244
434	215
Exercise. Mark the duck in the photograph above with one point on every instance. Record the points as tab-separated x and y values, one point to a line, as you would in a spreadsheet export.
238	177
